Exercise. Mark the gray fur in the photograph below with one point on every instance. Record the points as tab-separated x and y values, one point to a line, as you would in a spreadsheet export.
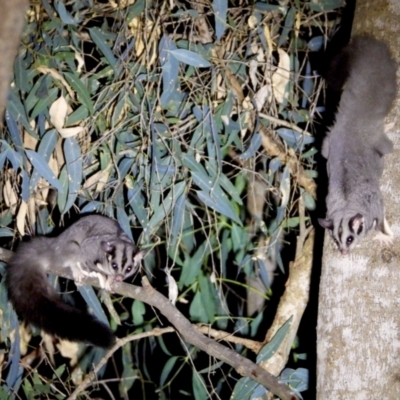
93	243
355	145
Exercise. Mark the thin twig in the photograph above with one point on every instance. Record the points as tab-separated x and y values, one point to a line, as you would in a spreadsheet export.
120	342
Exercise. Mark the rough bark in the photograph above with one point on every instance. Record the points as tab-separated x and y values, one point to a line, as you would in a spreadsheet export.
13	19
359	321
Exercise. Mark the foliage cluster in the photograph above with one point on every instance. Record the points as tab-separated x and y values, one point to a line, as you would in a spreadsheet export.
178	119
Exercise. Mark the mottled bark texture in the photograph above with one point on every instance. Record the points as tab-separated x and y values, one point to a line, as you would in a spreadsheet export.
12	21
359	320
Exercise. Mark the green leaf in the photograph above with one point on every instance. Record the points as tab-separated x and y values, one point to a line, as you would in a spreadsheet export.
169	365
73	158
62	196
165	208
64	14
219	204
137	203
43	169
6	232
287	27
101	42
32	99
309	202
243	389
196	309
83	93
44	104
192	266
46	147
138	311
220	8
17	110
272	346
21	73
178	219
79	115
87	292
207	297
199	387
325	5
190	58
226	184
128	372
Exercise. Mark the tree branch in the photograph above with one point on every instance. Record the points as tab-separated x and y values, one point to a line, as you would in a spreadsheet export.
147	294
295	298
252	345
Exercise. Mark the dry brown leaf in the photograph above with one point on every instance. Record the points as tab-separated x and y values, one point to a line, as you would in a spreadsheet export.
253	66
29	141
252	22
32	209
247	107
56	75
81	63
10	196
100	178
281	77
262	96
58	112
70	132
121	4
69	350
268	39
23	209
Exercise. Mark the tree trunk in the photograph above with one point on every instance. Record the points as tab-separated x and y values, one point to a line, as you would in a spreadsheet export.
359	320
13	19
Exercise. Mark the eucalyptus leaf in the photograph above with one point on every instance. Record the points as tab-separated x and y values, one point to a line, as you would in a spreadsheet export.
196	310
164	209
14	132
137	203
21	76
199	387
62	196
17	110
101	42
243	389
220	8
123	221
46	147
92	206
169	365
325	5
25	186
64	14
73	158
316	43
44	104
177	221
81	90
6	232
255	144
272	346
207	299
138	311
219	204
41	166
87	292
190	58
287	27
